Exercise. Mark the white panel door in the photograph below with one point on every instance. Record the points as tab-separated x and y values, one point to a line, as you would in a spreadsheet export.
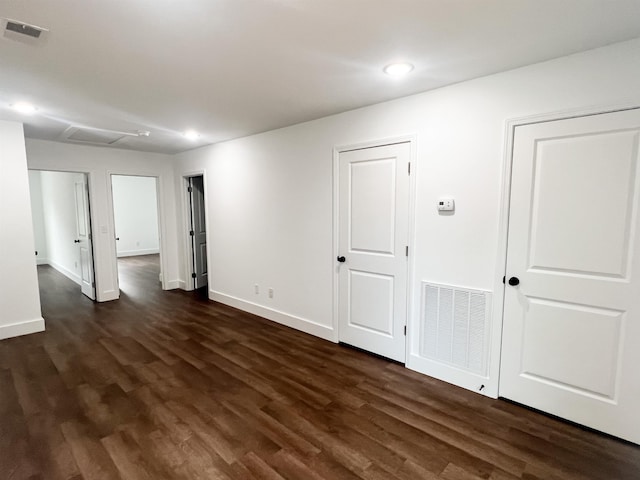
571	341
83	224
373	210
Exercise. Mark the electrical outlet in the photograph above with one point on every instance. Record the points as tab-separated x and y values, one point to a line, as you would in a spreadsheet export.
256	289
271	293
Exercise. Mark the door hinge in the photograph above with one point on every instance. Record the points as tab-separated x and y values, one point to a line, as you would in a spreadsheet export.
406	251
504	278
93	284
90	238
193	275
405	330
189	189
192	233
409	168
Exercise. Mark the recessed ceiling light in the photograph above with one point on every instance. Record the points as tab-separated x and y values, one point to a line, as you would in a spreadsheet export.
398	69
24	107
191	135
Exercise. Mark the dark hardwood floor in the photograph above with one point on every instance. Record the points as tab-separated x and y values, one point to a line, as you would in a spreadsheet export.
166	385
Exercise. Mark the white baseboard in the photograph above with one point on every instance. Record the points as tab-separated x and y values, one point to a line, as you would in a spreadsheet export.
173	284
107	295
135	253
453	375
277	316
66	272
42	261
21	328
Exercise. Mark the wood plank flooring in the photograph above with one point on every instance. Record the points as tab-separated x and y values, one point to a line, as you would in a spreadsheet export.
167	385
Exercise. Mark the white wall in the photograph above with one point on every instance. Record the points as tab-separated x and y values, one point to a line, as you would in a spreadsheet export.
19	297
270	196
37	211
100	163
135	208
61	226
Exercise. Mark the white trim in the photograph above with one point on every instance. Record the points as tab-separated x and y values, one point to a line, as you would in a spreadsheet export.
74	277
412	139
503	225
109	295
162	229
413	327
174	284
187	283
135	253
186	226
22	328
298	323
95	238
448	373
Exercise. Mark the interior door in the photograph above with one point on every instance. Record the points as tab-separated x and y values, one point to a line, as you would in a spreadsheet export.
198	231
571	339
83	224
373	210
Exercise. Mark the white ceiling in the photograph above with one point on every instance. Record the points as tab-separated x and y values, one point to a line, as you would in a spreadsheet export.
230	68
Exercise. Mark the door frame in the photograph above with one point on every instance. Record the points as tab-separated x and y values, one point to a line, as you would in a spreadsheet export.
495	352
162	235
186	227
92	218
90	234
337	150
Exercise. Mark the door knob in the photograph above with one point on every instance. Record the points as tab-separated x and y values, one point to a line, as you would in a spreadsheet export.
513	281
76	241
341	259
117	238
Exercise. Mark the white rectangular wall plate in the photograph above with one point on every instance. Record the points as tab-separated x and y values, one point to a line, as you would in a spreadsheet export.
446	204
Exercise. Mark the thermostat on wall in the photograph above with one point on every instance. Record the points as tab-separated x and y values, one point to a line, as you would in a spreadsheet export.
446	204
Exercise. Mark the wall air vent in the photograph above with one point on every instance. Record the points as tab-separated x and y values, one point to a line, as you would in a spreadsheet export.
455	326
22	28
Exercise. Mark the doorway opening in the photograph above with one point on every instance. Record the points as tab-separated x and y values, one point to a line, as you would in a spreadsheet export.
197	231
137	238
61	214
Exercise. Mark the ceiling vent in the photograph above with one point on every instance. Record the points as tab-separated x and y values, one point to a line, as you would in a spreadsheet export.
93	136
97	136
22	28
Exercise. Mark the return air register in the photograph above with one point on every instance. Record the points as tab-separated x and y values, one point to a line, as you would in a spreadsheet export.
455	326
98	136
22	28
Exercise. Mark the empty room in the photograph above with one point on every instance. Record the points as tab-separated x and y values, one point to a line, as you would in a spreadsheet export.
297	239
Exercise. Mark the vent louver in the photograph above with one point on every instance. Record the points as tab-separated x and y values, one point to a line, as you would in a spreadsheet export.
98	136
24	28
455	326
